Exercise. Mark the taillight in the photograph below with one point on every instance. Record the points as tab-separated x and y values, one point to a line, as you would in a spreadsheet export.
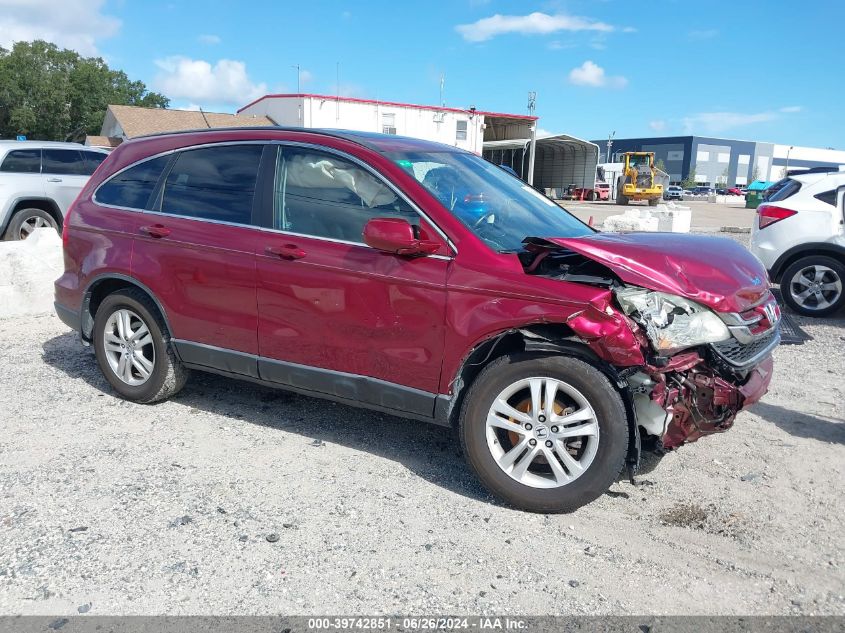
769	214
66	221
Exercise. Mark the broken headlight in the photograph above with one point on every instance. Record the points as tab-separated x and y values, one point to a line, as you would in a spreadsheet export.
671	322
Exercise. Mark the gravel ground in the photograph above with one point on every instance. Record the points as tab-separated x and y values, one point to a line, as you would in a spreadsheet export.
232	499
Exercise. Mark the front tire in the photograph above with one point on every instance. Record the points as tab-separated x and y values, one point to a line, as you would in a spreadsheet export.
814	286
25	221
544	433
133	348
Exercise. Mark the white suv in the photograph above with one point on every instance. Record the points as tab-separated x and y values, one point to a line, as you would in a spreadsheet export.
38	182
800	238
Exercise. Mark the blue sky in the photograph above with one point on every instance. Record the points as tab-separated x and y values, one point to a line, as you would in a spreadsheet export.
750	69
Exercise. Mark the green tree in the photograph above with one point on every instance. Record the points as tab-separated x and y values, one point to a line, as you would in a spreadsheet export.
689	181
659	164
755	173
50	93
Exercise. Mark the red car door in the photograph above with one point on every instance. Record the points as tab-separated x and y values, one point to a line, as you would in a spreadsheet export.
197	255
336	316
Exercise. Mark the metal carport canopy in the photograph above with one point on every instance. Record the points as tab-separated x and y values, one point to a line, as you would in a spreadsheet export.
562	160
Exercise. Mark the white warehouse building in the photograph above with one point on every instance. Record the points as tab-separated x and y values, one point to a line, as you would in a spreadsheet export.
466	129
508	139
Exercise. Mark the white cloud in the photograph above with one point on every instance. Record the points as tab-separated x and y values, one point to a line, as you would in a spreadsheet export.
532	24
543	133
790	109
197	80
716	122
706	34
657	125
209	38
629	29
591	74
305	76
75	24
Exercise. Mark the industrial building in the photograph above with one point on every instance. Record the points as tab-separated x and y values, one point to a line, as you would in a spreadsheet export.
508	139
722	161
464	128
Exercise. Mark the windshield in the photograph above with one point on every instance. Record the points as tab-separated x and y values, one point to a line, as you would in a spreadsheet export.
497	207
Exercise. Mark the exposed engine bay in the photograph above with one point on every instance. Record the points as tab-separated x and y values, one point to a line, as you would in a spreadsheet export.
689	368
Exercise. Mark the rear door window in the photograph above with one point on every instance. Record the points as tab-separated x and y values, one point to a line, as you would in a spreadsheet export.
68	162
22	161
133	187
213	183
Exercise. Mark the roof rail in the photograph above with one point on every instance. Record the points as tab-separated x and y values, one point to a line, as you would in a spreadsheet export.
815	170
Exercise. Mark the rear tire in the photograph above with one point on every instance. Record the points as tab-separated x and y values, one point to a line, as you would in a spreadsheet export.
133	349
621	199
27	220
797	285
595	442
653	202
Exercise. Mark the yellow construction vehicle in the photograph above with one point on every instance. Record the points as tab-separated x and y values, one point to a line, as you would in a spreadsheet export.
637	180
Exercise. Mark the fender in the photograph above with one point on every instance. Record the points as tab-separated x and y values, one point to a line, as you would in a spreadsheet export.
87	320
7	212
810	248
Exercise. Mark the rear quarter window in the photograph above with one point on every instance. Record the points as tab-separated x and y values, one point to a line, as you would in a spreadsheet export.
93	160
827	196
133	187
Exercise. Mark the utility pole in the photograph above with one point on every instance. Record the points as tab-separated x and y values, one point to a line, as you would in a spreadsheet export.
442	84
532	106
786	171
608	159
298	74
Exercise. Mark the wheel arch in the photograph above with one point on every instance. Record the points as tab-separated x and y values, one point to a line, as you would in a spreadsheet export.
803	250
102	286
542	339
48	205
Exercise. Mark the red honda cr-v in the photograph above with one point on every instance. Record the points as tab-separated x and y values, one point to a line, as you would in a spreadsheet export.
417	279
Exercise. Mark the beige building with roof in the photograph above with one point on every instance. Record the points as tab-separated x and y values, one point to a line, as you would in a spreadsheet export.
124	122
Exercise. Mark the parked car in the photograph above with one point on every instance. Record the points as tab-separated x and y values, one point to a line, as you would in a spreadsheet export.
690	193
38	182
799	237
734	191
703	191
673	192
721	191
362	268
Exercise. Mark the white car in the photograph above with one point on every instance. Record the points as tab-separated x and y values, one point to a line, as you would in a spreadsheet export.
38	182
799	236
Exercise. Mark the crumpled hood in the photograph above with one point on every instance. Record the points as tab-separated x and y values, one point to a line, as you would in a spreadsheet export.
714	271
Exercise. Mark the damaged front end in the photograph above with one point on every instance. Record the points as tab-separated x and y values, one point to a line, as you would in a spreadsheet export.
689	367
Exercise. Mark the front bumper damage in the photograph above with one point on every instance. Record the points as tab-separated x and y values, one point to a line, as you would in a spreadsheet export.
680	398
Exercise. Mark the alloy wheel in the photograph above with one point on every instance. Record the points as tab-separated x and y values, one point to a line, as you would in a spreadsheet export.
816	287
542	432
129	347
32	223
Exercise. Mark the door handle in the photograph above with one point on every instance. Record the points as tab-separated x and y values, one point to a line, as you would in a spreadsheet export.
54	180
287	251
156	230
